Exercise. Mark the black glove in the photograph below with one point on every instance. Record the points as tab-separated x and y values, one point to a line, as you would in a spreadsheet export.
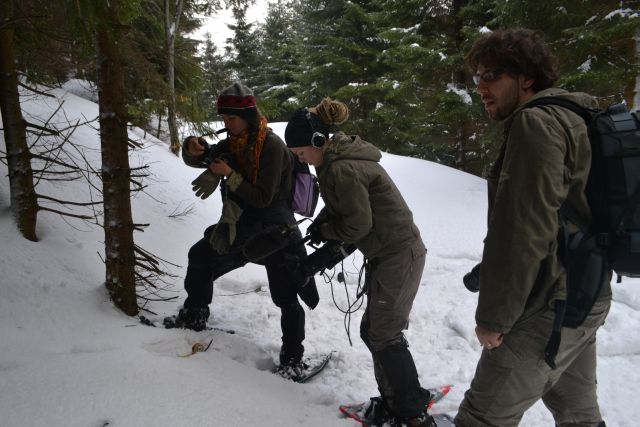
302	269
471	280
315	237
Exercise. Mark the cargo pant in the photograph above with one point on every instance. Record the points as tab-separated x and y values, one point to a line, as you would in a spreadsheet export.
393	283
511	378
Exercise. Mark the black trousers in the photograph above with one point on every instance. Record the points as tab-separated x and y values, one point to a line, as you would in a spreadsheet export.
206	265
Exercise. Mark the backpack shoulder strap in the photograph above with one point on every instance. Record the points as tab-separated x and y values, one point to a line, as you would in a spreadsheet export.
584	112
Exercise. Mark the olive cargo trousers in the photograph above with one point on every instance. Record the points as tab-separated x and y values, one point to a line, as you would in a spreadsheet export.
393	283
511	378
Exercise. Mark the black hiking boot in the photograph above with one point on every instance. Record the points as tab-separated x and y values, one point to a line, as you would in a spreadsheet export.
422	420
376	413
188	318
292	371
291	366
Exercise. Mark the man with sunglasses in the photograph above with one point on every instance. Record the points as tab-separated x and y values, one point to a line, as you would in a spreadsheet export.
543	162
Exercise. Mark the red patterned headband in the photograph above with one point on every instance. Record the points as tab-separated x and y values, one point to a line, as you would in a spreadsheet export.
235	101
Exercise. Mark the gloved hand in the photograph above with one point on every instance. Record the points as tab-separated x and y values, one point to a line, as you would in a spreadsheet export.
315	236
205	184
224	233
471	280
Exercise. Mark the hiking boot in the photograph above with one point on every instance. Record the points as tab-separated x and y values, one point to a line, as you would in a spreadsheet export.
291	358
188	318
376	413
292	370
422	420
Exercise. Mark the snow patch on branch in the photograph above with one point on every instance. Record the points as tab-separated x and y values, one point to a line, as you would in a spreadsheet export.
624	13
586	65
463	94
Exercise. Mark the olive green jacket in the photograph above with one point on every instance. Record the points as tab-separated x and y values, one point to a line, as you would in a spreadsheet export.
544	160
362	204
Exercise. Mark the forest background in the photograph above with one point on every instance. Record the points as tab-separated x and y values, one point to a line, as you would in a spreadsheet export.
398	64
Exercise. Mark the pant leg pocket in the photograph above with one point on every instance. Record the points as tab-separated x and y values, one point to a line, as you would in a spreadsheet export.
496	393
492	372
598	314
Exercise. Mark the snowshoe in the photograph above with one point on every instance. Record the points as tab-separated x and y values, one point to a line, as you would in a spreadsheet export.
376	412
303	370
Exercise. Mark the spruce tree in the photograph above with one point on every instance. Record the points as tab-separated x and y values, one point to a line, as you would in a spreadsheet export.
278	56
24	206
216	76
244	46
102	25
426	110
340	50
593	40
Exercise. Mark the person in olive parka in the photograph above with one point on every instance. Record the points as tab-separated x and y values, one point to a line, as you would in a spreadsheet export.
544	161
254	169
364	207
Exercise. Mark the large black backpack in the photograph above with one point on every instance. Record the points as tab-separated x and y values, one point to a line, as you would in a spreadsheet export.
612	240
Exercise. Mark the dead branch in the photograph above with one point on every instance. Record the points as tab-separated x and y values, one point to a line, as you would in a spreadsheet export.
50	160
42	208
134	144
185	212
34	90
151	277
42	128
140	227
67	202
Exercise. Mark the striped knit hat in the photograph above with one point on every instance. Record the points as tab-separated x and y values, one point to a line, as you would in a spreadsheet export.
238	100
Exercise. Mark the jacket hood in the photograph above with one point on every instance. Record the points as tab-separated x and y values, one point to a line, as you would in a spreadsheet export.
350	147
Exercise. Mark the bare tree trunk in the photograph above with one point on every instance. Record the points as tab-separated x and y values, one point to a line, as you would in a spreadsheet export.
159	125
116	174
24	204
171	22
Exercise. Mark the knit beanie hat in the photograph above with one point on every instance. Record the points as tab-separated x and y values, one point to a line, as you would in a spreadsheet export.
302	126
238	100
308	121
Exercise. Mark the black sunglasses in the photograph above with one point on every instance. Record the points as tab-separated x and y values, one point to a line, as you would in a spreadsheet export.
488	76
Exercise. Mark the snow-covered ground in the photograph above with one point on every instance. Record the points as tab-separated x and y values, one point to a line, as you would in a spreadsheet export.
69	358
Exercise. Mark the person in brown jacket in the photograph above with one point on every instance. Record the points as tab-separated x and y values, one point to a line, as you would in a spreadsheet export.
254	169
363	207
543	162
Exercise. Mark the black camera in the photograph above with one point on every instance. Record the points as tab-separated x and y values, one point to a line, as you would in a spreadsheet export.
471	280
302	269
213	152
269	241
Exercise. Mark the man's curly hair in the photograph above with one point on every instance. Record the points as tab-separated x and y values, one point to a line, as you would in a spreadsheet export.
518	52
